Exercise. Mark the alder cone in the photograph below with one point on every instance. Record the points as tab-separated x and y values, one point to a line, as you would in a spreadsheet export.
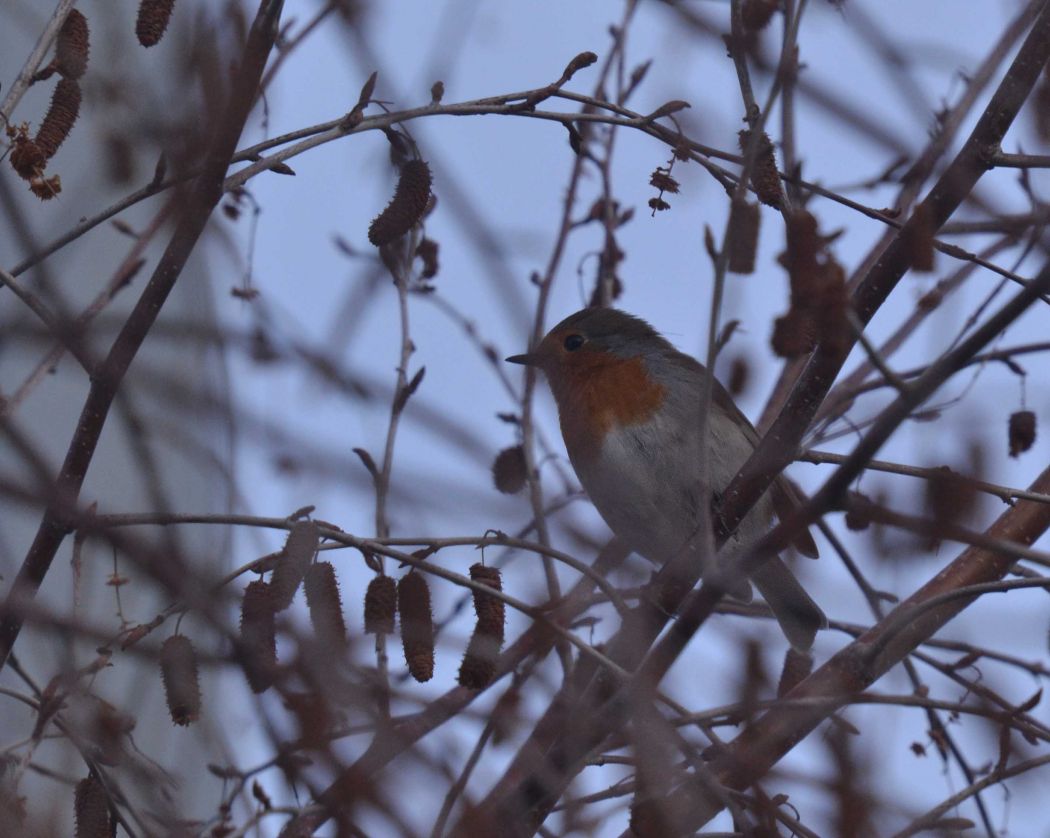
509	471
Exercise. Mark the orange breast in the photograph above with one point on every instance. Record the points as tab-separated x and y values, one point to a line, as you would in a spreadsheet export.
596	394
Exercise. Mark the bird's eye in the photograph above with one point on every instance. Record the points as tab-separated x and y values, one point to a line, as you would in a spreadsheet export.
573	342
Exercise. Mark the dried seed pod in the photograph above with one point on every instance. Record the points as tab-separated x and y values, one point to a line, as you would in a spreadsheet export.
661	178
1022	431
72	46
259	636
658	205
764	175
178	671
509	471
295	558
479	663
153	20
406	208
380	605
744	219
417	625
27	158
60	116
91	809
490	610
325	604
45	188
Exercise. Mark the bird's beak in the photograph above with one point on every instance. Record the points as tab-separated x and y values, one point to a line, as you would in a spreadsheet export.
530	359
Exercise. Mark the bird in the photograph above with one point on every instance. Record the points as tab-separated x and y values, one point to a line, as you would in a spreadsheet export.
629	407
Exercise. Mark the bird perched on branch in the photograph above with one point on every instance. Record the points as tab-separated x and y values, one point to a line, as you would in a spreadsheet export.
629	406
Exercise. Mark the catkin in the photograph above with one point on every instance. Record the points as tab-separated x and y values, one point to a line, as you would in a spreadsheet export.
407	206
152	20
72	46
259	636
91	809
479	662
380	605
417	625
293	562
764	175
744	220
178	671
60	116
325	604
489	610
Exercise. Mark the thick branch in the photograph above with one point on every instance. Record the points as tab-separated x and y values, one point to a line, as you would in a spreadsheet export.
864	661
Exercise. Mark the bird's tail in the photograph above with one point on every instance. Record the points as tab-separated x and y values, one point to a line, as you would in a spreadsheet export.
799	616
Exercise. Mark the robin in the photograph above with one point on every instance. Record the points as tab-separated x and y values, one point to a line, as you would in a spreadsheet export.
629	407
